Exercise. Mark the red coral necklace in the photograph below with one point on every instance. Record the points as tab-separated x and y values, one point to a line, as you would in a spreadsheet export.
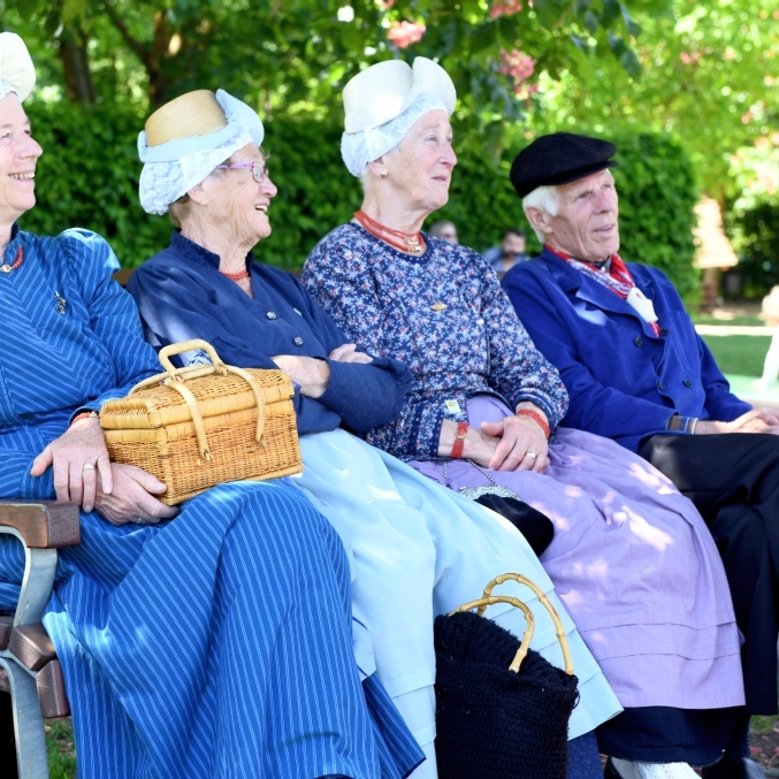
6	268
412	243
240	276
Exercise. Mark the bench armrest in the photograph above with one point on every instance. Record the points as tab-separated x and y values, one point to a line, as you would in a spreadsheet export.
42	527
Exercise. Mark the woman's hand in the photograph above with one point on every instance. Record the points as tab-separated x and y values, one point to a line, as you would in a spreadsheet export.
132	497
79	457
522	445
309	373
349	353
500	446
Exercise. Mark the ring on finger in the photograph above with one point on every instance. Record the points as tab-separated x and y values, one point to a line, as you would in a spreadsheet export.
138	520
531	455
88	467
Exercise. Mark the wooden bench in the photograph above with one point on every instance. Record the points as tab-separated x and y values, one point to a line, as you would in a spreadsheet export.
27	655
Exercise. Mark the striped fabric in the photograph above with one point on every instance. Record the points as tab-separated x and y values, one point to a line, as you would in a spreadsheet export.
213	645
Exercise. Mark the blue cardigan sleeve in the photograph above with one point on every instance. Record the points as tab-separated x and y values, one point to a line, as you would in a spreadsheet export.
594	406
365	396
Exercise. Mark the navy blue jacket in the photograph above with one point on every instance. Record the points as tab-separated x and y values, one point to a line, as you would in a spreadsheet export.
624	381
181	295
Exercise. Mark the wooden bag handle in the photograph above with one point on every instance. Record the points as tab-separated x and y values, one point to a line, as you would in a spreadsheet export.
176	379
560	632
488	600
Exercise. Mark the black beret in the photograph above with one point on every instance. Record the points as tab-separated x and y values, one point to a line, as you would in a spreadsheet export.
558	159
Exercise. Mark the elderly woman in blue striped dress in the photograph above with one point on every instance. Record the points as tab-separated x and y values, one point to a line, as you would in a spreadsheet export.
215	644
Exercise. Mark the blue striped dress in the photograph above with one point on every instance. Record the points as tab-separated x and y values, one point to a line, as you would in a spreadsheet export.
217	644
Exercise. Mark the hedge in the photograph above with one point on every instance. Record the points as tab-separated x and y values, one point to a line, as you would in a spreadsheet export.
755	229
89	171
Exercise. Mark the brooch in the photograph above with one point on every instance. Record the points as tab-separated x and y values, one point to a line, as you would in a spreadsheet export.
438	306
60	301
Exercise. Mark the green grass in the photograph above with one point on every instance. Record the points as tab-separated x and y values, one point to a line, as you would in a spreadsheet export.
59	740
741	319
739	355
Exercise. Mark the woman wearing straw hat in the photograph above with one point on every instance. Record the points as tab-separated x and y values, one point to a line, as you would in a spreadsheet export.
417	550
213	645
632	559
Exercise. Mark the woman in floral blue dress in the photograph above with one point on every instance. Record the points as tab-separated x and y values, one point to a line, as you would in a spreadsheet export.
631	558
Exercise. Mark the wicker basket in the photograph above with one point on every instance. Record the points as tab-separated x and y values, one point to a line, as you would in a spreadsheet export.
203	425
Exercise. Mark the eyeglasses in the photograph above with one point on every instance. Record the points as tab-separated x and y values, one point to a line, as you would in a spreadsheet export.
259	169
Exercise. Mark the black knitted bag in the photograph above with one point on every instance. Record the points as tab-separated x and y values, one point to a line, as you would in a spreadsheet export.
501	712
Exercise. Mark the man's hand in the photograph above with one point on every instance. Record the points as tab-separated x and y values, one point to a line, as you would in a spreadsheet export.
754	421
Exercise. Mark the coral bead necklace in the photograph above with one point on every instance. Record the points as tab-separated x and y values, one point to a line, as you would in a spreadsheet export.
412	243
6	268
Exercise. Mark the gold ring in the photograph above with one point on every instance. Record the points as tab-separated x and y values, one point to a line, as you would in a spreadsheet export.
88	467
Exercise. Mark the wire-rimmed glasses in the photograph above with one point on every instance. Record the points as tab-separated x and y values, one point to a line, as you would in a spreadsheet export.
259	169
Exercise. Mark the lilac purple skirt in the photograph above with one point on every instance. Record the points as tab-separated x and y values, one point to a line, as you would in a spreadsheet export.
633	562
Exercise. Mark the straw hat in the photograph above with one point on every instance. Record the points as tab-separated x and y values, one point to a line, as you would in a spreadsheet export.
17	73
385	90
192	114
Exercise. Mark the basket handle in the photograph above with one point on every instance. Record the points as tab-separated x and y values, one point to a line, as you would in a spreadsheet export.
176	378
560	632
488	600
217	366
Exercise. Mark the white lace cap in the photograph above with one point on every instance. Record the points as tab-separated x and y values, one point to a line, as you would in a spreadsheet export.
17	73
184	141
383	102
360	148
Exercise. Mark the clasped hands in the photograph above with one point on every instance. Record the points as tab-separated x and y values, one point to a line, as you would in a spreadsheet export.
514	443
84	474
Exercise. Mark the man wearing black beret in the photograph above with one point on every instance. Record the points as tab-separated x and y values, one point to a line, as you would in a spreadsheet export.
636	371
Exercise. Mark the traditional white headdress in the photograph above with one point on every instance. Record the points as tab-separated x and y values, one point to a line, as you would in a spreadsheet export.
17	73
185	139
382	103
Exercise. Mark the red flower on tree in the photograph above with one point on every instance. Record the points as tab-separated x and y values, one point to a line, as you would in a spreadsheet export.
403	34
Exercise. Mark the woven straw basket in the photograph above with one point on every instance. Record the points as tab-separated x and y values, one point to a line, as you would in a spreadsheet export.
203	425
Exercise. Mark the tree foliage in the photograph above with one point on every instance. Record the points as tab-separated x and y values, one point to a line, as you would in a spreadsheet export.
708	75
700	74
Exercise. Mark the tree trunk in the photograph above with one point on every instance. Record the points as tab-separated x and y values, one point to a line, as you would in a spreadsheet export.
75	66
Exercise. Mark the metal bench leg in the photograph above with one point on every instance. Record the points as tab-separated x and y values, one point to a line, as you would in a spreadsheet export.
31	756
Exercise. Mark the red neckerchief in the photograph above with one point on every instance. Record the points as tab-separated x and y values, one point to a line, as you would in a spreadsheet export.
616	269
